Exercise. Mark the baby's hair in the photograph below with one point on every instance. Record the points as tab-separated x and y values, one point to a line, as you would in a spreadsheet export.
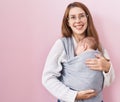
91	42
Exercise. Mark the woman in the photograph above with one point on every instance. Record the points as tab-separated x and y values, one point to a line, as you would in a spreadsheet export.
77	24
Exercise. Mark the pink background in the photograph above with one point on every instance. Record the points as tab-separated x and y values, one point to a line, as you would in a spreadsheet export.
29	28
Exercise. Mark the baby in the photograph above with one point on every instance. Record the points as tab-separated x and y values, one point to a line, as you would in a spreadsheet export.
86	44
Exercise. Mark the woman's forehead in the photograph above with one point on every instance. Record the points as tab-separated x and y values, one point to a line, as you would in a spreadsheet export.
76	10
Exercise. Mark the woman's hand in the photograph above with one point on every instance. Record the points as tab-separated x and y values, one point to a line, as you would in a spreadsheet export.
98	63
81	95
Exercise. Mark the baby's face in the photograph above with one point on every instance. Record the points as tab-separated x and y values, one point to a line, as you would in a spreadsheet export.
81	43
80	48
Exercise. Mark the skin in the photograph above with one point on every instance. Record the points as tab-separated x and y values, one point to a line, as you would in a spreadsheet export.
81	47
78	24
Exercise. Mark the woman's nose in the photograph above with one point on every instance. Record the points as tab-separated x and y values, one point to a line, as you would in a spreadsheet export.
78	19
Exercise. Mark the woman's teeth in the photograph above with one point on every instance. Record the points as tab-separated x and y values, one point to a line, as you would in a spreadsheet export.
79	26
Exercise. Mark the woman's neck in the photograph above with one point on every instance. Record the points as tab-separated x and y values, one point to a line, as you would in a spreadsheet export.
78	37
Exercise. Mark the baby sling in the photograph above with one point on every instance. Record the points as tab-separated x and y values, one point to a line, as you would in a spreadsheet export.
77	76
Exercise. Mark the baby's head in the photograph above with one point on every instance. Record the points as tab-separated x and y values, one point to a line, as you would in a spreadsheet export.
90	43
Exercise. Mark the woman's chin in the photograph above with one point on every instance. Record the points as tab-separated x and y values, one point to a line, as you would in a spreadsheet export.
79	33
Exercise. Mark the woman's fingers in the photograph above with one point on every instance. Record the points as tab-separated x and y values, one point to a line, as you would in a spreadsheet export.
94	63
95	60
90	95
87	91
85	94
94	67
91	61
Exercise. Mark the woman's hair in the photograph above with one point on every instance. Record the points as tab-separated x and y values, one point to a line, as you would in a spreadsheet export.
90	31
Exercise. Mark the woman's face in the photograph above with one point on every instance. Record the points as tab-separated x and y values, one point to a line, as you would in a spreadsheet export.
77	20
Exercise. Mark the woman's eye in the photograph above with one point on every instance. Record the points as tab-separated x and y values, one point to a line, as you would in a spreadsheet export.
82	15
73	17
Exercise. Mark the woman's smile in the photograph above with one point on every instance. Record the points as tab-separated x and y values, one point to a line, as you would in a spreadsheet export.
79	26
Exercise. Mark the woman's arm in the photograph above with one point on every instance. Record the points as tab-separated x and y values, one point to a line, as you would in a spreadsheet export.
109	75
51	73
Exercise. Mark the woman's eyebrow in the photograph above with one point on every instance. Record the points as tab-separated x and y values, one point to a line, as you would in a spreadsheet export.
75	14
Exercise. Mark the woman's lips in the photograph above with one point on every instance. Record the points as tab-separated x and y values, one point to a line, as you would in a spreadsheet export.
79	27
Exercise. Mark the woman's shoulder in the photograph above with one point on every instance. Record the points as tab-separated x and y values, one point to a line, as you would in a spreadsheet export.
59	41
58	45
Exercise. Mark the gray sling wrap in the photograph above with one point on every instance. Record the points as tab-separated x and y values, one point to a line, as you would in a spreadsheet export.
77	76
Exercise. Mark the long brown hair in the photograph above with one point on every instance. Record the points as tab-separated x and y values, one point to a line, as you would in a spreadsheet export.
90	31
